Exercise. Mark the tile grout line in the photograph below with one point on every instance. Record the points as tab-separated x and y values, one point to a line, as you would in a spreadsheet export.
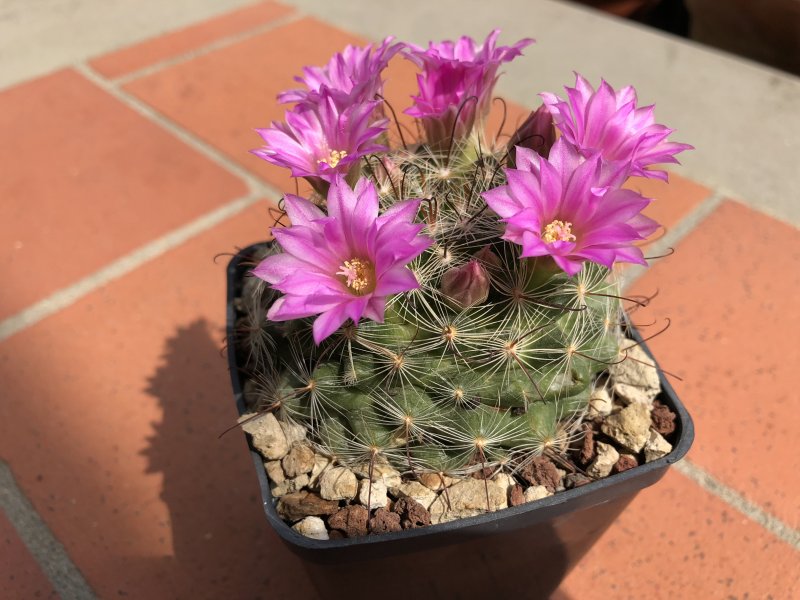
736	500
217	44
49	553
674	236
220	159
69	295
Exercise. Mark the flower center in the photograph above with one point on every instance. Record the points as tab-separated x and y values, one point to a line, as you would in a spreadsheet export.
359	275
335	157
558	231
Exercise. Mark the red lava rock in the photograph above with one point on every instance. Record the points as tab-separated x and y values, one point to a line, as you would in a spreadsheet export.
335	534
384	522
517	495
574	480
541	471
351	520
298	505
662	418
587	450
412	513
485	473
625	462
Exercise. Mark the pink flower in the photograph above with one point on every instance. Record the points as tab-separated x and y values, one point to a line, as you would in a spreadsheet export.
320	141
563	207
609	122
345	264
352	76
457	76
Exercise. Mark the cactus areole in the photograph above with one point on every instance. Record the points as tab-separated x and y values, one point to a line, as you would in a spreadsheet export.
444	304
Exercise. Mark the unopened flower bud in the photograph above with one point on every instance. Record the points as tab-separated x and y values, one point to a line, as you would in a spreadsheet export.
466	285
536	133
488	258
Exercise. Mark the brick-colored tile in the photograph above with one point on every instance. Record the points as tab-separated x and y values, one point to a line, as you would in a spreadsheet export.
20	575
675	540
110	420
85	180
224	95
673	200
138	56
731	292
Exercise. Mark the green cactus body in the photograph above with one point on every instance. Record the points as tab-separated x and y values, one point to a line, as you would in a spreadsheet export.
437	387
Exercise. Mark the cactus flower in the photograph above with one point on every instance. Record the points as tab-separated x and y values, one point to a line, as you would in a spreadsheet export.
345	264
466	285
609	122
536	132
561	207
319	141
352	76
457	76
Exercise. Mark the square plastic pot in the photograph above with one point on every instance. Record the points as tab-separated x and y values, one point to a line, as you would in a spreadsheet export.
518	552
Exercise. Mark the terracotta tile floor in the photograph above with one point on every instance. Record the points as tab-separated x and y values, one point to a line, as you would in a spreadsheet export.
112	404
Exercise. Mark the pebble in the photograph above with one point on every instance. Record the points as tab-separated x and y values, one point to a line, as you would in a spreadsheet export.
412	513
625	462
383	470
312	527
467	499
300	460
268	437
542	471
607	457
351	520
536	492
321	462
505	481
295	506
338	483
275	471
516	495
662	418
290	485
630	426
600	404
436	482
385	522
294	432
376	497
416	491
634	381
656	447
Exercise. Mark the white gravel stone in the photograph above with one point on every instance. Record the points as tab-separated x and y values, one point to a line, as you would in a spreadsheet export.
416	491
290	486
600	403
467	499
656	447
381	470
268	437
436	482
635	381
338	483
505	481
376	497
607	457
321	463
312	527
299	460
536	492
275	471
630	426
294	432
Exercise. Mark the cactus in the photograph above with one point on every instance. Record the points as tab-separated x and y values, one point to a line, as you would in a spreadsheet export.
490	359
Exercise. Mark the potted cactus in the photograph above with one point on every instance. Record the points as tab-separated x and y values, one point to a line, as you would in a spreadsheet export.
434	348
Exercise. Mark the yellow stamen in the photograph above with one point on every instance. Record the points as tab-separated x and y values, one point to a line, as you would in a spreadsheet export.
359	275
336	156
558	231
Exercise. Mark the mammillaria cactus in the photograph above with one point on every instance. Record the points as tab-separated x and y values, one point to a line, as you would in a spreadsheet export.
445	305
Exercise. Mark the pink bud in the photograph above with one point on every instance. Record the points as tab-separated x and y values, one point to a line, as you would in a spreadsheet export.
466	285
536	133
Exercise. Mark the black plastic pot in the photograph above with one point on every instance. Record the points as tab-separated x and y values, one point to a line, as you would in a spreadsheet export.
518	552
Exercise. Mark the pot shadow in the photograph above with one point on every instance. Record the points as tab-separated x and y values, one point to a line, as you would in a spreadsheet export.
223	547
